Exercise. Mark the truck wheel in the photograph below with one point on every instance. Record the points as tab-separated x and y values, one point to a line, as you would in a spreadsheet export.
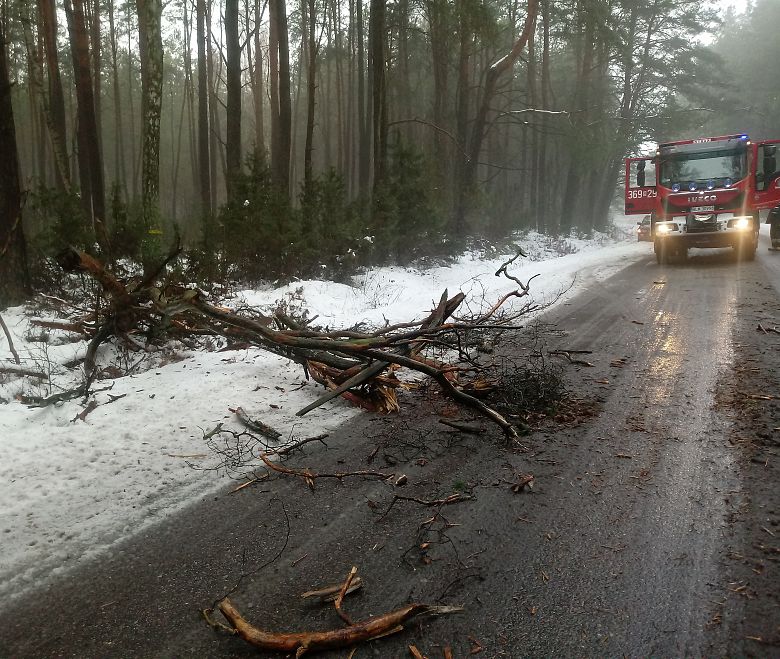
681	255
747	251
660	252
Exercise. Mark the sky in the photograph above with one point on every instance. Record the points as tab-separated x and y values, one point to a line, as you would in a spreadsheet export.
72	488
739	5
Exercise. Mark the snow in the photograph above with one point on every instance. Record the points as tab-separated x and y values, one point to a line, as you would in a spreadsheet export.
73	488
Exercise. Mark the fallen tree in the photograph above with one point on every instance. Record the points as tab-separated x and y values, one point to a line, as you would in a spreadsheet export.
357	365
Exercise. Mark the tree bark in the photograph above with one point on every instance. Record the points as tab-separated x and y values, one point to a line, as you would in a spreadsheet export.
478	129
378	81
364	137
14	277
308	14
120	171
56	101
233	124
95	50
574	178
257	85
89	158
150	46
281	105
204	159
438	19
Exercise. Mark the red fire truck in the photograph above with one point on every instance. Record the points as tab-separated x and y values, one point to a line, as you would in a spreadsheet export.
706	192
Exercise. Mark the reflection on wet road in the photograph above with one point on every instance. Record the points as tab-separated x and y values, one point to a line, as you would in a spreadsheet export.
656	465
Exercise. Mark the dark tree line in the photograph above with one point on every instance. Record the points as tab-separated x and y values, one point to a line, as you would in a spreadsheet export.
288	130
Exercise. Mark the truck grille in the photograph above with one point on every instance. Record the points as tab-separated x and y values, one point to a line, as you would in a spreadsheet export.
704	225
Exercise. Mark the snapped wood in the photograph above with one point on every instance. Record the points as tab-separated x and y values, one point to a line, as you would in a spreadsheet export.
302	642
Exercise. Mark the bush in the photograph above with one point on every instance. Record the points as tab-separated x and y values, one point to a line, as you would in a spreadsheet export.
126	228
260	235
250	236
55	219
406	220
330	242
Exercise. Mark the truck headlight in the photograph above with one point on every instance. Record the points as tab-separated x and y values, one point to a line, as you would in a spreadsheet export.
662	229
741	223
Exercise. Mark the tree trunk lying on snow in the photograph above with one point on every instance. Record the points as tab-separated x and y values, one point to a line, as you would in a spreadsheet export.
347	362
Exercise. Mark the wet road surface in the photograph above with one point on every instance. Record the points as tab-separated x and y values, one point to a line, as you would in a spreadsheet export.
618	550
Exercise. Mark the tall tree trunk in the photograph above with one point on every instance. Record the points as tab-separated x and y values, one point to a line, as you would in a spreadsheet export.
533	181
257	84
280	89
96	51
215	141
90	161
56	104
14	278
233	124
189	92
633	81
177	128
570	207
542	164
36	94
204	157
285	101
494	73
440	46
150	47
364	137
273	84
338	92
308	14
377	76
462	105
120	171
350	98
131	107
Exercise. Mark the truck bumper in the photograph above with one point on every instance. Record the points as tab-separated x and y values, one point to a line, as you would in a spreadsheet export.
720	239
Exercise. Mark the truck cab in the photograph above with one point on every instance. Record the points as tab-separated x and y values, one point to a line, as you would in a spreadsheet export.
705	192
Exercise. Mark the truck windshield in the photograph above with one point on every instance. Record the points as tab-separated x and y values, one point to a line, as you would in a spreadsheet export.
723	167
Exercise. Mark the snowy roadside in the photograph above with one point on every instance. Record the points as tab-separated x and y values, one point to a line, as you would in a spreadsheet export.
72	488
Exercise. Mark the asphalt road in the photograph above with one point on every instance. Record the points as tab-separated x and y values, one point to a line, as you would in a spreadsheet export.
624	547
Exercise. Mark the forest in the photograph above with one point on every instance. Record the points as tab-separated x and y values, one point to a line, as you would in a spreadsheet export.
275	139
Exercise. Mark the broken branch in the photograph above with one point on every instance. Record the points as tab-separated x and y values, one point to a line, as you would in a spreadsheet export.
340	597
11	370
256	425
309	476
10	341
330	593
302	642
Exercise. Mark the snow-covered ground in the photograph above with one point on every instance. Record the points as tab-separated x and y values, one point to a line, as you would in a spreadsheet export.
71	488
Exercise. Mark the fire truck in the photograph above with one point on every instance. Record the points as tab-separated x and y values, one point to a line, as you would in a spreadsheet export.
706	192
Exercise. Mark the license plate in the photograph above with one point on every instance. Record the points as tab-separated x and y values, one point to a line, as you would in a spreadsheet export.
702	209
